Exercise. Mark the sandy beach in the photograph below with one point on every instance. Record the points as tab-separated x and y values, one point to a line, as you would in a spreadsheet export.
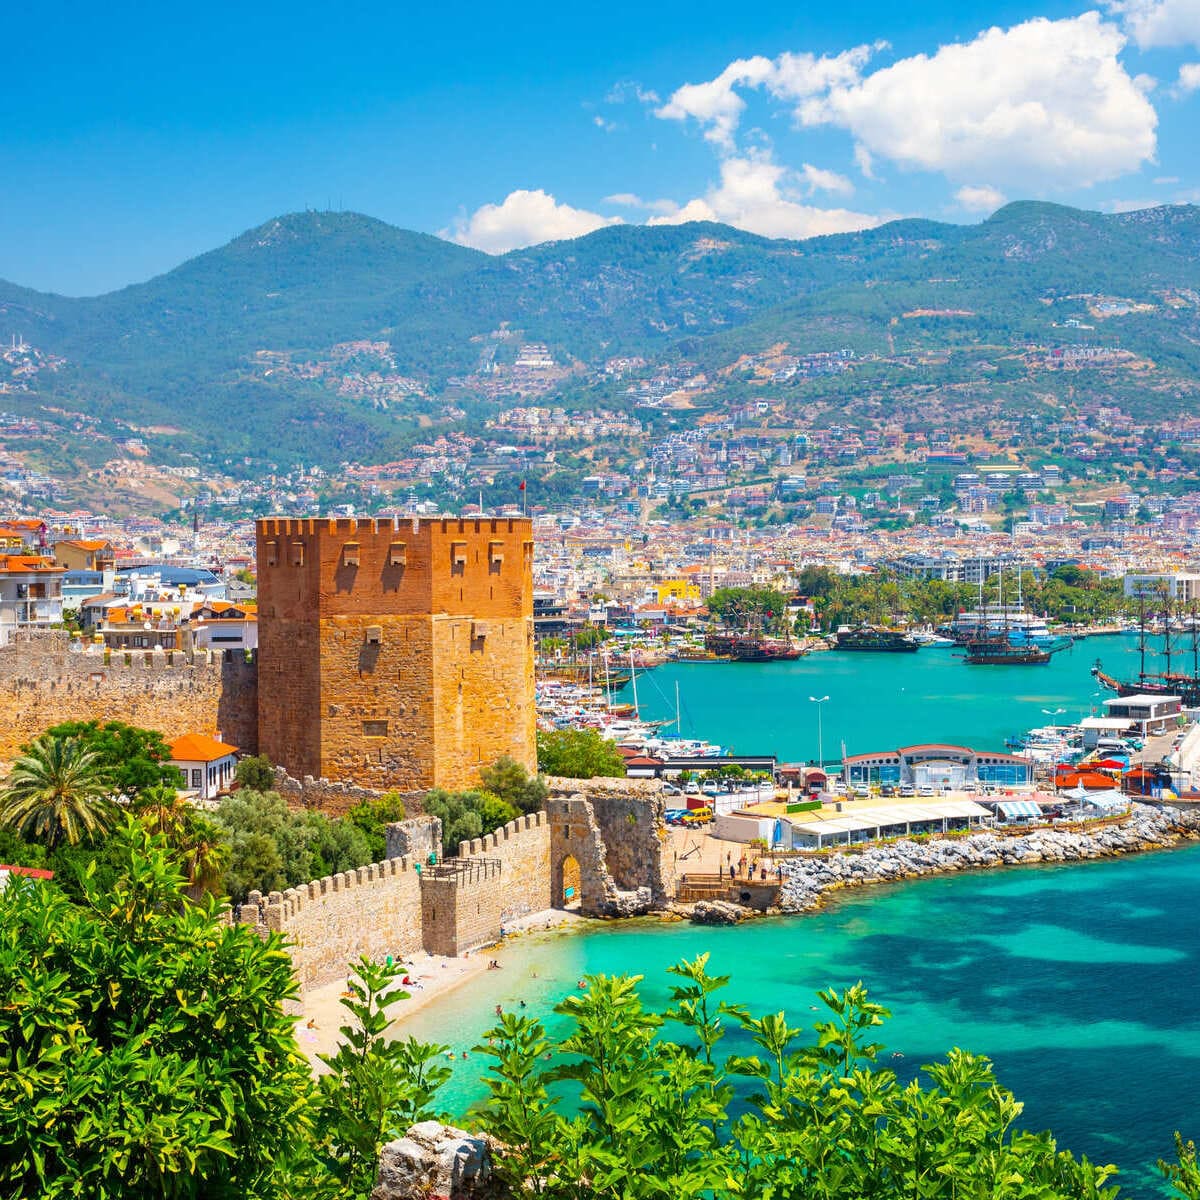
432	977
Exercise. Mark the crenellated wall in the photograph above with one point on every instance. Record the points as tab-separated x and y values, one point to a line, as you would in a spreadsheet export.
44	681
604	839
330	922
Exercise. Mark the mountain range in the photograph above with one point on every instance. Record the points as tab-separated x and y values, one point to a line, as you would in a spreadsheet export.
176	354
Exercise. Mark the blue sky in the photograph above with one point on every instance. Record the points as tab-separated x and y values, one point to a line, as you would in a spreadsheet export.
134	137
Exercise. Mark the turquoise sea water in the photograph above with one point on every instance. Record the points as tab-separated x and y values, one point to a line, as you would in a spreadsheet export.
879	701
1078	981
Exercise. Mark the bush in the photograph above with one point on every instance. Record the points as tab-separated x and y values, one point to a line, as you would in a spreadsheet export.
578	754
644	1116
509	780
273	847
373	817
144	1051
466	815
255	772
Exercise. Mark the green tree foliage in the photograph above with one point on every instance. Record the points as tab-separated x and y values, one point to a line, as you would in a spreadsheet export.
137	758
750	608
509	780
144	1051
59	790
373	817
255	772
273	847
199	844
376	1086
642	1115
578	754
466	815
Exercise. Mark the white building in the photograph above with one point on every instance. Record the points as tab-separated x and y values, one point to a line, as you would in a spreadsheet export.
208	765
1150	713
30	594
1183	586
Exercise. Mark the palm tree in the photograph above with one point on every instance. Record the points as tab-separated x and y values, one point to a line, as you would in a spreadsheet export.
204	852
58	791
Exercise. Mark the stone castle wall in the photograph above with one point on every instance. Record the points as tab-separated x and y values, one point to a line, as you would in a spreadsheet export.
330	922
396	654
335	798
43	682
612	832
522	847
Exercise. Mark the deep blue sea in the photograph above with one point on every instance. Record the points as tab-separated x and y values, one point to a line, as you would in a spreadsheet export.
1079	981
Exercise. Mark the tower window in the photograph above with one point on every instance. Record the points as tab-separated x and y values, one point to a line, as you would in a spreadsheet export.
297	554
350	554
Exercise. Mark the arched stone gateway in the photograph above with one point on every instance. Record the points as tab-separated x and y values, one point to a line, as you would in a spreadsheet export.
613	830
567	890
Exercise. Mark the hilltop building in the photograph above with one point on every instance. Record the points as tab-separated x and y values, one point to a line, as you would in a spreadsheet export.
395	654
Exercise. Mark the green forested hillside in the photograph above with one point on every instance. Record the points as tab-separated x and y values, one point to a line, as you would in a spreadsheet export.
179	350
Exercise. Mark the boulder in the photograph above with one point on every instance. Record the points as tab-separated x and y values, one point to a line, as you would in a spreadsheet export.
718	912
436	1162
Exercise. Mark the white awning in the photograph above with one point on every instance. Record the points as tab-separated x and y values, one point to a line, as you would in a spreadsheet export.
1020	808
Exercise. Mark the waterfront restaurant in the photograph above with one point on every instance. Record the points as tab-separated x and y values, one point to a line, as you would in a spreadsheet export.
939	766
854	824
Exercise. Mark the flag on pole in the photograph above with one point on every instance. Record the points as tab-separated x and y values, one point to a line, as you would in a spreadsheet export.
521	486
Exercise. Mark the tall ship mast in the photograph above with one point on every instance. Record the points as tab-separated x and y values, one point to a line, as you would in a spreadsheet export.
1184	684
991	648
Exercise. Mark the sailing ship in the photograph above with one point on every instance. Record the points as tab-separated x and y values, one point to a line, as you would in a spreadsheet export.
1167	682
750	647
996	647
875	637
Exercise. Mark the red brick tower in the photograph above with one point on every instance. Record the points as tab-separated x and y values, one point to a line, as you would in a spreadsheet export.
395	654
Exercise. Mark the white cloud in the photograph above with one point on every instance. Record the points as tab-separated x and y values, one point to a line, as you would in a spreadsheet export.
715	104
630	200
866	164
816	179
1189	79
627	89
1045	102
1159	22
524	218
758	195
601	123
979	199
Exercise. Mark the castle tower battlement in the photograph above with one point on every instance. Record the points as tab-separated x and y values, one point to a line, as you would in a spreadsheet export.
395	653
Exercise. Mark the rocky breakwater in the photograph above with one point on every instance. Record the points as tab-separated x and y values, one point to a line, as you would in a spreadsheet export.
806	880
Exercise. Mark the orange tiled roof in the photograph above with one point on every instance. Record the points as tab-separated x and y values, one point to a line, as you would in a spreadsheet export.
199	747
28	564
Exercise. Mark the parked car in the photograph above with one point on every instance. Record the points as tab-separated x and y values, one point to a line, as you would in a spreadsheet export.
926	790
691	789
669	789
906	789
888	789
